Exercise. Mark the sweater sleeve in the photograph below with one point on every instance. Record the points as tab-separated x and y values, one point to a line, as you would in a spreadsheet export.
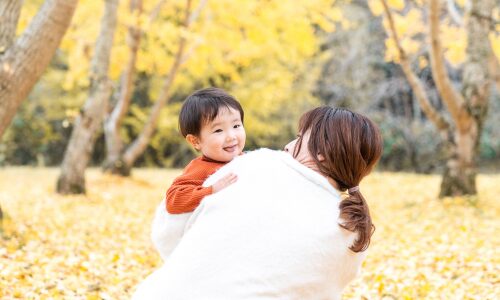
186	192
185	195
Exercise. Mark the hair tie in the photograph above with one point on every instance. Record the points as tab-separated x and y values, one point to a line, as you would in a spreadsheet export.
353	189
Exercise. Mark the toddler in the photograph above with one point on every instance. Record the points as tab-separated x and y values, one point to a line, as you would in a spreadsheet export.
211	121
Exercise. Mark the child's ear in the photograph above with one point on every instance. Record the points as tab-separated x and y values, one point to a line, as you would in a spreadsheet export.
194	141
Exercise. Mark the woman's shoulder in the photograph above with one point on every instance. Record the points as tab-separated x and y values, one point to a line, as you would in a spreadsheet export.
260	157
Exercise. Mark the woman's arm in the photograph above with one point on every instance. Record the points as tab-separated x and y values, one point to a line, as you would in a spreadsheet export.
167	230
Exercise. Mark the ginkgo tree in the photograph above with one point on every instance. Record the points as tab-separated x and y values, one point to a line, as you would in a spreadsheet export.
215	46
468	42
256	49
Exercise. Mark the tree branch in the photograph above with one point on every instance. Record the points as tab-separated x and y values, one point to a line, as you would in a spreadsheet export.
128	75
477	75
9	17
454	13
415	83
453	100
156	10
24	62
140	143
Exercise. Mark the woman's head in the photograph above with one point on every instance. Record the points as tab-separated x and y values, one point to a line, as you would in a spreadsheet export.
347	144
344	146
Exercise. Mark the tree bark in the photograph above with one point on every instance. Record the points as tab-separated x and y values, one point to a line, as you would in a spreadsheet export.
114	142
81	143
23	60
453	100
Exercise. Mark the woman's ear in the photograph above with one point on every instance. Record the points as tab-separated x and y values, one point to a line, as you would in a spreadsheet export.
194	141
320	157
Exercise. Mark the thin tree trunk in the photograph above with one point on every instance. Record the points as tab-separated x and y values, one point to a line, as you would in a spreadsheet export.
114	142
22	61
81	144
139	145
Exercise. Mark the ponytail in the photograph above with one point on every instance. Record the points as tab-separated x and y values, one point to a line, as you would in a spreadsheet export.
355	217
350	145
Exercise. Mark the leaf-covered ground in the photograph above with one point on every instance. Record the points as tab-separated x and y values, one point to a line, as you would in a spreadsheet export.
98	246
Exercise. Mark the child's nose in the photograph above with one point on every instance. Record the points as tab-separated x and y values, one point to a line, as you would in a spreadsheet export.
231	135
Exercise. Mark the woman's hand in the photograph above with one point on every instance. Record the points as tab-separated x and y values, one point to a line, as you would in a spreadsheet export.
224	182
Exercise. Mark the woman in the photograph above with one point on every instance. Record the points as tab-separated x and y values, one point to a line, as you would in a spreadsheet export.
281	231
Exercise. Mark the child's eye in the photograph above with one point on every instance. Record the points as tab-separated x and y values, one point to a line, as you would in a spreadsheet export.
217	130
237	126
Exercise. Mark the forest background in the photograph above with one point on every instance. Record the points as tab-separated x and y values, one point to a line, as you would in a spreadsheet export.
278	59
102	88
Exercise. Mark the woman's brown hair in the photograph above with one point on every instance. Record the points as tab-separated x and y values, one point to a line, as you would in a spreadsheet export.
349	145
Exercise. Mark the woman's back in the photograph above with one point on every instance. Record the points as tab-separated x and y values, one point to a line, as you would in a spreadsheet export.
274	234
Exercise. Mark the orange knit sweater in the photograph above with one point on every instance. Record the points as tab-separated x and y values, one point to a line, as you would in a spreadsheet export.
186	192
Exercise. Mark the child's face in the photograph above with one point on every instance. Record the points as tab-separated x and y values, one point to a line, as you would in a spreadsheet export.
222	139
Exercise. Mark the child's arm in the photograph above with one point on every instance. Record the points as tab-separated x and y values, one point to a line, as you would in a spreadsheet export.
185	195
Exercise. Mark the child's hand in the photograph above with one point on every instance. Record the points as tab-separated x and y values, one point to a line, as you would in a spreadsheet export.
224	182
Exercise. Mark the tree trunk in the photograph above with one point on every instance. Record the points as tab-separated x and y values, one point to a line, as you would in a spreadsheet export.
23	61
81	143
468	109
114	142
460	174
126	161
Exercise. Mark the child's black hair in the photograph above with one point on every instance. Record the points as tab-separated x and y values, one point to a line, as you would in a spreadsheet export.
202	107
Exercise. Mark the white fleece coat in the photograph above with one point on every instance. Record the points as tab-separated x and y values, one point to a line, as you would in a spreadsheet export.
274	234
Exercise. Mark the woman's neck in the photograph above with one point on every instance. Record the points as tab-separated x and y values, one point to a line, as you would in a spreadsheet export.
311	164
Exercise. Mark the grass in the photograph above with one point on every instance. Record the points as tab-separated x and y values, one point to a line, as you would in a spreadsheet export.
98	246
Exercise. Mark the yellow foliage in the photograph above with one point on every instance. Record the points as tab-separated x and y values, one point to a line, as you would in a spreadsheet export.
391	51
408	28
396	4
454	40
422	62
495	43
411	27
28	10
376	7
98	246
227	39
